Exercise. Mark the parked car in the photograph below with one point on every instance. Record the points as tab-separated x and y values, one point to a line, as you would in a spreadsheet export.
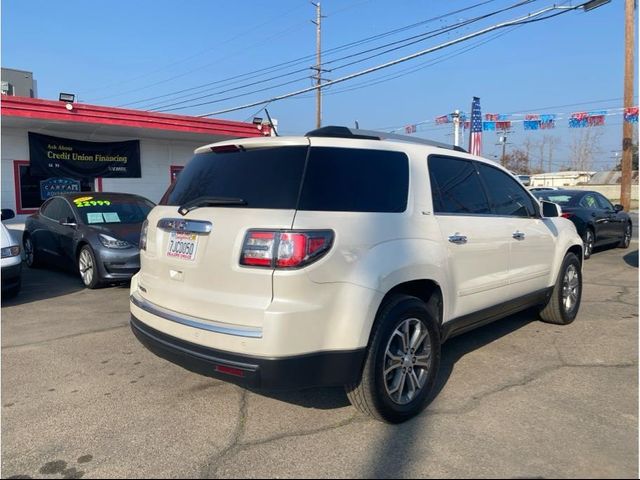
344	258
95	233
597	220
11	259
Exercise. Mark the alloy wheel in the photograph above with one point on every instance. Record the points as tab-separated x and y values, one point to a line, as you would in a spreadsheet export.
407	361
570	288
588	244
627	236
86	266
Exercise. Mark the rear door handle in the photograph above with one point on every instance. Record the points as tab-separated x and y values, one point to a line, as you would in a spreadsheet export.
458	239
518	235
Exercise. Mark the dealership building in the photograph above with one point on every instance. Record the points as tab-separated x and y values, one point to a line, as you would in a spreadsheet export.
50	147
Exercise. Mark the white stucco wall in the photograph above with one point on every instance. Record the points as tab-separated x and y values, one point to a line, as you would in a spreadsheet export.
156	157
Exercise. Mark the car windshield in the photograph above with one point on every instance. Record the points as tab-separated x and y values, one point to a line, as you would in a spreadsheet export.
97	209
555	197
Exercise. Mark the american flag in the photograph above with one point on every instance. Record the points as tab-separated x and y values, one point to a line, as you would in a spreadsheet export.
475	140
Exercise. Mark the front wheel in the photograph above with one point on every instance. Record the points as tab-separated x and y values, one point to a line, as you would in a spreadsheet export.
402	362
88	268
562	308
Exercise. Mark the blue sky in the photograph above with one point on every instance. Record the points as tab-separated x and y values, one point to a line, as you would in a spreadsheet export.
118	52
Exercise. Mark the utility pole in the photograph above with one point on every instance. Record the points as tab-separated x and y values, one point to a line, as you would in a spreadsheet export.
456	128
318	67
627	129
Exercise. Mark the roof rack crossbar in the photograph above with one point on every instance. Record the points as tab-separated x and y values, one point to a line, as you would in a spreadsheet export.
345	132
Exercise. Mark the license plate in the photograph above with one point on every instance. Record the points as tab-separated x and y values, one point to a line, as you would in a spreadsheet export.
182	245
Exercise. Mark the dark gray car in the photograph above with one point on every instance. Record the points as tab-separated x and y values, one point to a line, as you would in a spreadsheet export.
95	233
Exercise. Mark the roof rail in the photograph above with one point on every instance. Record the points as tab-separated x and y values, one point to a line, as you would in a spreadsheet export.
345	132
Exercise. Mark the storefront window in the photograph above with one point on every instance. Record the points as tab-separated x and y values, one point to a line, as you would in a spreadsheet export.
31	193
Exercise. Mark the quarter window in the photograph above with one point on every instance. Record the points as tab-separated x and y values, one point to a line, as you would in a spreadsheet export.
506	194
456	187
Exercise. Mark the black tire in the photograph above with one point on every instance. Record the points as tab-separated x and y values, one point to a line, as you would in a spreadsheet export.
371	395
31	256
626	239
589	241
557	311
86	255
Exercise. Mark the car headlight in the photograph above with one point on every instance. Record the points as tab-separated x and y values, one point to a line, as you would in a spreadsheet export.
111	242
12	251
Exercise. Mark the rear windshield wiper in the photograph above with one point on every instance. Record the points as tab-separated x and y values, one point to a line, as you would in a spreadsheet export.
209	202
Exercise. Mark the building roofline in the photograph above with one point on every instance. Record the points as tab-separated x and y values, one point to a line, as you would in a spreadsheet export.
25	107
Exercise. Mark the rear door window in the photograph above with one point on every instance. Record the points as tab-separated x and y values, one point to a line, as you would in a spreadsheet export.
355	180
456	187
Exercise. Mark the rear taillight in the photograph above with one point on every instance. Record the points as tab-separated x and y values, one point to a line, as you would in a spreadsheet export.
143	235
284	248
567	215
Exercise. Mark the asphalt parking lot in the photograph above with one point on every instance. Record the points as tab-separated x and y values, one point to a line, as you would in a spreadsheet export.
518	398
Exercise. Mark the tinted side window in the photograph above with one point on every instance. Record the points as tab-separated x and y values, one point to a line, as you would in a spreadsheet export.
506	194
355	180
65	211
45	209
52	209
604	203
456	187
589	201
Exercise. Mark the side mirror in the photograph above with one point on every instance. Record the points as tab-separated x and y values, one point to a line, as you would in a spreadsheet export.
69	222
618	208
7	214
550	209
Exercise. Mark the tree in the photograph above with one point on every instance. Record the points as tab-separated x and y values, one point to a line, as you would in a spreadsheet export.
517	161
585	149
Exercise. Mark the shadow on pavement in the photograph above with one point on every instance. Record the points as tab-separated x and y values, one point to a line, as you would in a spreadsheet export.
452	351
44	283
390	460
632	259
327	398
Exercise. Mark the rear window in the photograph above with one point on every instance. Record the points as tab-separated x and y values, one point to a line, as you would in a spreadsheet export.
336	179
559	198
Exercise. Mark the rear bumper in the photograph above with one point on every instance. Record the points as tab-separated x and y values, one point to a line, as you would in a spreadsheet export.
300	371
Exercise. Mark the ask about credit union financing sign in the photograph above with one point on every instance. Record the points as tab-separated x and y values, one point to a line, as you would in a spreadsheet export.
64	157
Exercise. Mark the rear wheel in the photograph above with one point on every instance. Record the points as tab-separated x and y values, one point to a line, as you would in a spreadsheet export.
564	303
626	239
88	267
402	362
589	242
31	256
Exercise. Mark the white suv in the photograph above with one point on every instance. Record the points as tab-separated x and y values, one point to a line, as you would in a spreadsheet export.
344	258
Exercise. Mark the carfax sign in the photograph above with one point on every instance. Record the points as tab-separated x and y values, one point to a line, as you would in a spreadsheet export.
64	157
57	186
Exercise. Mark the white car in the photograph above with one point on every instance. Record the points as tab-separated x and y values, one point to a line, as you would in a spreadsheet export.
344	258
11	259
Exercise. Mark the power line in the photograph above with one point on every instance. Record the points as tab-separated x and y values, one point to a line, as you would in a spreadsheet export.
484	31
300	60
422	37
